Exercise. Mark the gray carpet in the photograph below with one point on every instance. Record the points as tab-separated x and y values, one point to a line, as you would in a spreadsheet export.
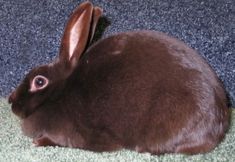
30	31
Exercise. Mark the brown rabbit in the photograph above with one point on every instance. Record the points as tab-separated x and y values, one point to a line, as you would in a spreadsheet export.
139	90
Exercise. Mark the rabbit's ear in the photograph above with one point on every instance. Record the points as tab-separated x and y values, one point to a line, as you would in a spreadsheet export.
76	34
97	12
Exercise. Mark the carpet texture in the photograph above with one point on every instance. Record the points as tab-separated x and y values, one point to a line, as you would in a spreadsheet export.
30	31
14	147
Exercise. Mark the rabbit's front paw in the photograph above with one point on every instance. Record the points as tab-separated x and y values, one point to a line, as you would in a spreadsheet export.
44	141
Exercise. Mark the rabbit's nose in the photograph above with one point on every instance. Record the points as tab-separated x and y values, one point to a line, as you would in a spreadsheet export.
12	97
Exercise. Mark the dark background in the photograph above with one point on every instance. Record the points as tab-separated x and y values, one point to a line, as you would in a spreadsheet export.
30	31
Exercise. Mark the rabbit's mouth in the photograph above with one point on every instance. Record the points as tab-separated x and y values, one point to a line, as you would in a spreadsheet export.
14	106
17	105
17	110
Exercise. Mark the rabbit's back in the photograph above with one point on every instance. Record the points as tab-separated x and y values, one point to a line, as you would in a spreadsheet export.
153	93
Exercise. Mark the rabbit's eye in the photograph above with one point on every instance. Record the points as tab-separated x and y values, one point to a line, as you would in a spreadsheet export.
39	82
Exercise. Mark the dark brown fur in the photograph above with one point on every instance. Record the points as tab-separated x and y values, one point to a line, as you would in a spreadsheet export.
138	90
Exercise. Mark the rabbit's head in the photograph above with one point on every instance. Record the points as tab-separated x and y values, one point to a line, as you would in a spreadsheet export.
45	83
